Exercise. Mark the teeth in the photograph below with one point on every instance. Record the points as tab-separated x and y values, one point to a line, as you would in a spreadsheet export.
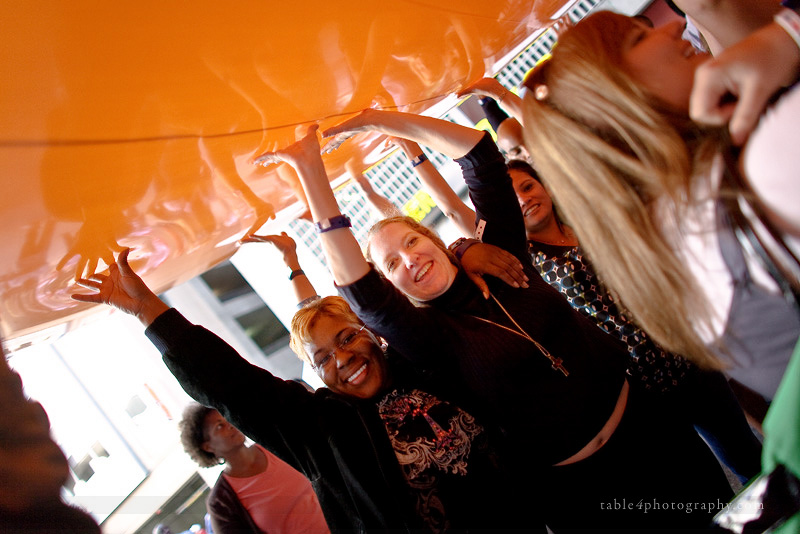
422	272
357	373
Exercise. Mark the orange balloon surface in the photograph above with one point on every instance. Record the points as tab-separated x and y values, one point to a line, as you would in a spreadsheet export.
136	124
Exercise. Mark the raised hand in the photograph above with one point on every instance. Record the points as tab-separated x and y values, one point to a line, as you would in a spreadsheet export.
285	245
735	86
346	129
485	87
481	259
296	153
123	289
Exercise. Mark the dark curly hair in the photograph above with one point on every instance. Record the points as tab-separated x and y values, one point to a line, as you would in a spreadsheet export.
193	437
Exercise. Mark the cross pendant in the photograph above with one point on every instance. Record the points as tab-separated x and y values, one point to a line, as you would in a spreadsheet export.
558	365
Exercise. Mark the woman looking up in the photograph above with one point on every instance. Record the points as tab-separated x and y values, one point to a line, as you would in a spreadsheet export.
257	492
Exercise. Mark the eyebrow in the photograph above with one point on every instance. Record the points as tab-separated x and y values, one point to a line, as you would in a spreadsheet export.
336	339
393	255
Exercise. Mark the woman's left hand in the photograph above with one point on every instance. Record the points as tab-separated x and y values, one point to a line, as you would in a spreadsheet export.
481	259
345	130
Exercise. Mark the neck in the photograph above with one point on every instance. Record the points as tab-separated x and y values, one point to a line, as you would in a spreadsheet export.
552	234
245	462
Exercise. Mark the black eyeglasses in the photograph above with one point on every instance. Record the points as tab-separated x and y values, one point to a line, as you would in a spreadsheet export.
347	341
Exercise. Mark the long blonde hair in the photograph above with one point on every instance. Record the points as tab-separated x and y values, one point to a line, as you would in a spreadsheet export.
607	150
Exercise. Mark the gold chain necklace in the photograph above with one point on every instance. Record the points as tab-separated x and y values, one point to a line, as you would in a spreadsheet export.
557	364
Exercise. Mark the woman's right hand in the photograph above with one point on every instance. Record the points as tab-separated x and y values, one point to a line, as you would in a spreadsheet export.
750	71
482	258
346	129
485	87
123	289
296	154
285	245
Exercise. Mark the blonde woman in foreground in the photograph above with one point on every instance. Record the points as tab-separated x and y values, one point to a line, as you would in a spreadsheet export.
607	123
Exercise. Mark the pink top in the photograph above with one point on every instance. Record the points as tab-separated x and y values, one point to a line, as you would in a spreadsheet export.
280	500
771	162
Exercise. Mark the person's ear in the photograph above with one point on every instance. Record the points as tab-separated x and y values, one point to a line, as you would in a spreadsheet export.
206	447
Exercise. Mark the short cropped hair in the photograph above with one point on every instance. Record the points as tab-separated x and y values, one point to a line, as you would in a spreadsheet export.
305	319
193	435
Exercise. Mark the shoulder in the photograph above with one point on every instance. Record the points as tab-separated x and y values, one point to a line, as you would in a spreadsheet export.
220	492
771	159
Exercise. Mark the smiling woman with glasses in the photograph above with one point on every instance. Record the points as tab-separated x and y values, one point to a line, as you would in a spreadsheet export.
385	448
323	359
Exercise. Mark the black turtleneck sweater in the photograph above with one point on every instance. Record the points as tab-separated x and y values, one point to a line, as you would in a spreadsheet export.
546	416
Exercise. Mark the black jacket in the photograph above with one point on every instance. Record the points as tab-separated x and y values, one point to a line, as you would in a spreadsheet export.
340	444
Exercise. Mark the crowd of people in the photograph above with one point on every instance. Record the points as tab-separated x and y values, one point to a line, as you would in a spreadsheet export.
629	253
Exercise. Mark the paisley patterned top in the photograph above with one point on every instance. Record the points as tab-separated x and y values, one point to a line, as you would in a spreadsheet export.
432	439
565	269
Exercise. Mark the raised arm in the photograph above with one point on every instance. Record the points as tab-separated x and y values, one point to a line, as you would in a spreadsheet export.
452	140
380	203
727	22
490	87
213	373
482	165
346	262
123	289
437	187
301	286
735	87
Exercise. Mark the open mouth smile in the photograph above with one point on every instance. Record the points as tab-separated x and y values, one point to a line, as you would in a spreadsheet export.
423	271
530	210
355	377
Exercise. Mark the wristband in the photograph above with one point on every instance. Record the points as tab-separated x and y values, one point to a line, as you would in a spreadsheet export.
419	160
294	274
326	225
460	246
790	22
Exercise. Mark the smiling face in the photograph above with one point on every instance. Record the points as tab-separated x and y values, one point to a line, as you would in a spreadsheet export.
412	262
662	62
221	436
347	359
535	203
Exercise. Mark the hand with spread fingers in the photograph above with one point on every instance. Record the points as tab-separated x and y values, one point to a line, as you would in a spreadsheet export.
482	258
735	86
123	289
285	245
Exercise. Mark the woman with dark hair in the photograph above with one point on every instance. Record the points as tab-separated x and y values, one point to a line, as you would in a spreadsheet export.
257	492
